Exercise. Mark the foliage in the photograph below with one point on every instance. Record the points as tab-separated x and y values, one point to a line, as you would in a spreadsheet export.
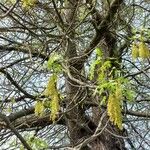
109	80
143	50
35	142
140	50
52	93
28	3
114	107
54	63
96	62
135	51
139	47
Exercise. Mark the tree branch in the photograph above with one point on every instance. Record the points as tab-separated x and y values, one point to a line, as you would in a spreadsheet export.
8	76
34	53
102	28
13	129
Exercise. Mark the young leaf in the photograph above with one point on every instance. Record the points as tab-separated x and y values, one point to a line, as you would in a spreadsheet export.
99	52
54	62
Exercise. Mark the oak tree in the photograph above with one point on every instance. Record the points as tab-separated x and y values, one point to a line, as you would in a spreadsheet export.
74	74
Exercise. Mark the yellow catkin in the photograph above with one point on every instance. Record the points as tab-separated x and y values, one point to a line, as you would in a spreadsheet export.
118	92
52	92
118	114
39	108
51	86
54	105
114	108
135	51
28	3
143	50
110	107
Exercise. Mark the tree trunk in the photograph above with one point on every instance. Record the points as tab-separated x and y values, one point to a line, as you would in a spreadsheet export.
79	125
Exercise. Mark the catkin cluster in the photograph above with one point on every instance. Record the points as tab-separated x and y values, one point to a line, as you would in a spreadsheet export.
39	108
140	50
28	3
114	107
52	92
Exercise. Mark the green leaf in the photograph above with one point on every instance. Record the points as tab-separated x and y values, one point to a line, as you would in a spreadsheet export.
92	68
129	94
103	101
54	62
99	52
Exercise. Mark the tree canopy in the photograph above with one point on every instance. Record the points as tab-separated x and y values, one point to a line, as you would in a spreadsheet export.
74	74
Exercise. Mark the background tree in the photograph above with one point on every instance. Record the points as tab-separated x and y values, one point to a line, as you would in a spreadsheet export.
74	74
